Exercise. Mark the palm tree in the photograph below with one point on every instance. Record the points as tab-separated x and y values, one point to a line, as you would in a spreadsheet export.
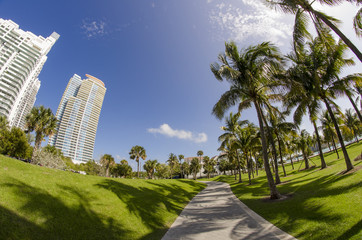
43	122
199	154
150	166
107	161
172	161
303	143
232	126
304	9
195	166
248	73
351	91
328	130
352	123
320	66
136	153
280	128
245	138
180	157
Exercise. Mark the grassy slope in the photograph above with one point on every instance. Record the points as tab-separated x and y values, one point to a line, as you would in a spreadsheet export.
42	203
324	203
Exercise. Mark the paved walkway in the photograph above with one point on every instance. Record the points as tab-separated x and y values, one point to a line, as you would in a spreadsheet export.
216	213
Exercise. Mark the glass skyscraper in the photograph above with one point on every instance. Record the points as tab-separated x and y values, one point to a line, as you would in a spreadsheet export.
22	56
78	115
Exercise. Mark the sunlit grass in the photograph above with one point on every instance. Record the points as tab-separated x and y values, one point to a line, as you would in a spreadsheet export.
43	203
320	204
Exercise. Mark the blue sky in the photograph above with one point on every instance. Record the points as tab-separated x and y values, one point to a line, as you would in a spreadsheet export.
153	57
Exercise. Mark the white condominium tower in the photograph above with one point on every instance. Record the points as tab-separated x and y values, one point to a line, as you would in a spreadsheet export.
78	115
22	56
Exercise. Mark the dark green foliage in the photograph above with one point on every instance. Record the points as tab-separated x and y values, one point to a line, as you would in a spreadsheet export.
14	143
122	170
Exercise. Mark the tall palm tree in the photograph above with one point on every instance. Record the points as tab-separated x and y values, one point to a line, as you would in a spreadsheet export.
43	122
107	161
320	66
199	154
172	162
248	72
304	9
136	153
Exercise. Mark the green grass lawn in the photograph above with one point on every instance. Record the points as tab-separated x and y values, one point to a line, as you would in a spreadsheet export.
43	203
322	204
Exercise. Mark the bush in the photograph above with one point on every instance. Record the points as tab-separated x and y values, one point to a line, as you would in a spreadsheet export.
14	143
48	159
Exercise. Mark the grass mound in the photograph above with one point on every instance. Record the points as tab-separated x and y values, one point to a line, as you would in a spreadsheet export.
43	203
319	204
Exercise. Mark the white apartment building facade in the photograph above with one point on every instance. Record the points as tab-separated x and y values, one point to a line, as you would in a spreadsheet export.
78	114
22	56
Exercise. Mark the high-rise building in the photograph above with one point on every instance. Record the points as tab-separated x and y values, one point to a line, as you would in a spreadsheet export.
22	56
78	115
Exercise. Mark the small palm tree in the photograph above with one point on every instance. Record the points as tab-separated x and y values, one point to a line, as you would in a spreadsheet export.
172	162
150	166
136	153
303	142
195	167
352	123
107	161
180	157
43	122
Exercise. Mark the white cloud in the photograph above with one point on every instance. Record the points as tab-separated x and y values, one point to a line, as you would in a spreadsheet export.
253	20
166	130
153	5
94	28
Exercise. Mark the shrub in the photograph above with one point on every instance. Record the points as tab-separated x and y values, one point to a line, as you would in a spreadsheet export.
48	159
14	143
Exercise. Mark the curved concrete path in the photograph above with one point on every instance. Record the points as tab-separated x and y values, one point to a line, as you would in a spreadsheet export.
216	213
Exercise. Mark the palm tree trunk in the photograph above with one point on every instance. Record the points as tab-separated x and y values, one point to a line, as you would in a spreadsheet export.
305	160
344	150
281	156
334	146
339	33
274	152
238	157
291	160
323	163
355	107
274	194
256	166
251	165
138	168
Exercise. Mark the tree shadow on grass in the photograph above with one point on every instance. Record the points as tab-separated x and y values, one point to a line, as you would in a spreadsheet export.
48	217
153	204
304	204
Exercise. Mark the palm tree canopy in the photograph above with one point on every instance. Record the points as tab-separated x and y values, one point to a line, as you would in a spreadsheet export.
249	73
107	160
41	120
303	8
137	152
